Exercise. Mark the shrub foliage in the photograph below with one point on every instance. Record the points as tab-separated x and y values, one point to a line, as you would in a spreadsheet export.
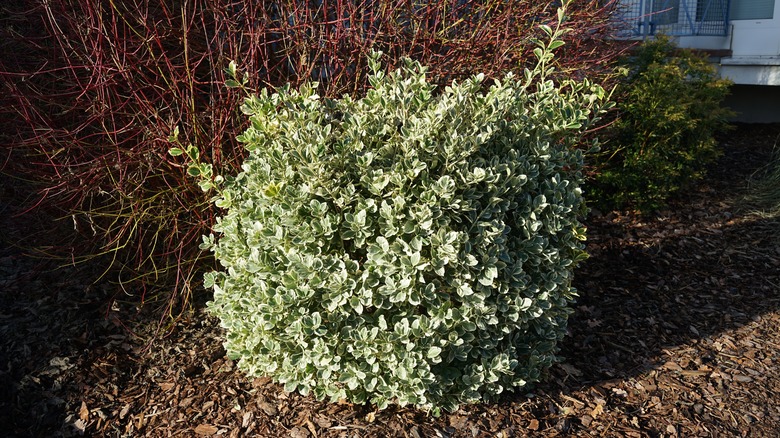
668	111
413	246
93	89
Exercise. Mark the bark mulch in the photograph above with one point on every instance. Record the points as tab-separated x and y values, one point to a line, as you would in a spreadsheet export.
675	334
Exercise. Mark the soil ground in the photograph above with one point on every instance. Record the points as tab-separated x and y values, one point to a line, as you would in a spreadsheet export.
675	334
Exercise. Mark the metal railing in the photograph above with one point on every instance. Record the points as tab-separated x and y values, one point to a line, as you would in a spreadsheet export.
675	17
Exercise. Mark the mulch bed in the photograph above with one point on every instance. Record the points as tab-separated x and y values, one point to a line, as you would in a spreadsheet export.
675	334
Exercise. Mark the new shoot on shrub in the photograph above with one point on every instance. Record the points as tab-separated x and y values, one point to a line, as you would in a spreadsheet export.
414	246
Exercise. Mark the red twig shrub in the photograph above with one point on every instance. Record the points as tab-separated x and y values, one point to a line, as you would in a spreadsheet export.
97	87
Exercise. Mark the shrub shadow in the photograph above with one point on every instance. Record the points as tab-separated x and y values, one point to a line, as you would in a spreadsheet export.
50	317
705	266
641	297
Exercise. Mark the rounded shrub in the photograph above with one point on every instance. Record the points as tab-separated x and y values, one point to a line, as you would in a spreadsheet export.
413	246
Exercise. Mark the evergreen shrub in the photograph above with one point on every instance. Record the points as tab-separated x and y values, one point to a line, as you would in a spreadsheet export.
413	246
668	112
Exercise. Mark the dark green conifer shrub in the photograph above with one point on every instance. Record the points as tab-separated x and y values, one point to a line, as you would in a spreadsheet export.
413	246
668	111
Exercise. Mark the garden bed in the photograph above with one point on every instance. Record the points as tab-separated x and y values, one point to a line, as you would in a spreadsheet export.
675	334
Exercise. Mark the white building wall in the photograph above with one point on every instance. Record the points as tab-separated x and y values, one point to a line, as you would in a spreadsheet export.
749	53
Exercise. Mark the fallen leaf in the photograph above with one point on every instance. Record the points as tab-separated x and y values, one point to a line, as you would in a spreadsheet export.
246	418
268	408
299	432
167	386
571	370
323	422
311	427
598	410
620	392
84	412
458	422
206	429
80	425
124	411
261	382
534	424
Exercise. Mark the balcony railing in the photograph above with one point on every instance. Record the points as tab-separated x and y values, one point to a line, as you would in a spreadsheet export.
676	17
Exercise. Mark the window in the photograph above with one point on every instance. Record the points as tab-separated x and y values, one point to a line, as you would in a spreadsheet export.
665	12
711	10
752	9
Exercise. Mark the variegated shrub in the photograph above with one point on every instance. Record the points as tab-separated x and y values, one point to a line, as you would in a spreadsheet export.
414	246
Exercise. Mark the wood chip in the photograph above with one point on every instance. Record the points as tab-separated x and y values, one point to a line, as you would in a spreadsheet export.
206	430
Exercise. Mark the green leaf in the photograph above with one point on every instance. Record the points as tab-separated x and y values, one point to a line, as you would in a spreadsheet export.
175	152
555	44
231	70
290	386
174	137
205	170
206	186
354	302
208	280
223	203
193	153
489	274
271	191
